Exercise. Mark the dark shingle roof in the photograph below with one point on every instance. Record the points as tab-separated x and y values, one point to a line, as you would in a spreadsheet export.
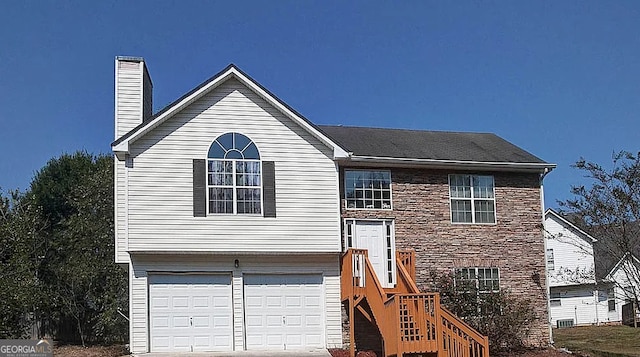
421	144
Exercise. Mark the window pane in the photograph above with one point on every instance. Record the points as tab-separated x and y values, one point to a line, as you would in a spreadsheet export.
233	155
220	200
248	200
216	151
461	211
483	186
251	152
220	173
484	211
460	186
240	141
226	141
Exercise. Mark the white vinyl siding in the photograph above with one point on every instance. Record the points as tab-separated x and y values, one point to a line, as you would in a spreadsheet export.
325	265
129	76
120	199
571	253
581	303
161	193
573	296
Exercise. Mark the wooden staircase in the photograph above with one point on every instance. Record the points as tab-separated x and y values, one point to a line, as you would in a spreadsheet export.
410	322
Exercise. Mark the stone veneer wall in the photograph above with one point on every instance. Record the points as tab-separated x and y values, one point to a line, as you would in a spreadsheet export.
515	244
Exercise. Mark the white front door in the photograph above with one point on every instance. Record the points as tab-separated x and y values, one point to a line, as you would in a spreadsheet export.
373	236
283	312
190	313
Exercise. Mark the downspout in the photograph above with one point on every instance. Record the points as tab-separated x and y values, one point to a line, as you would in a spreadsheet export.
546	273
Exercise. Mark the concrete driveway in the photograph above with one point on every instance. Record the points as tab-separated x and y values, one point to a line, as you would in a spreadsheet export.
302	353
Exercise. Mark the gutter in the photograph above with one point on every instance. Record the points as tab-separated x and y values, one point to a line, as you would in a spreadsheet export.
457	164
544	240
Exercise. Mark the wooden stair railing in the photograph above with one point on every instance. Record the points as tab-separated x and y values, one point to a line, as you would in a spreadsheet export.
460	339
409	321
362	283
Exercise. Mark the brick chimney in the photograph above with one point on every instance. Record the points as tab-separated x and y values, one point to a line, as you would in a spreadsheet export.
134	98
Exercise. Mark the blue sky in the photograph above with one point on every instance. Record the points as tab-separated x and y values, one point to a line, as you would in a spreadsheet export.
559	78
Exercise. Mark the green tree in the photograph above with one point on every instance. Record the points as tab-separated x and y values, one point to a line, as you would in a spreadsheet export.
609	208
57	254
20	254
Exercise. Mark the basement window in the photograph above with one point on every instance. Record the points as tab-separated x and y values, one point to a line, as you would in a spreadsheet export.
483	280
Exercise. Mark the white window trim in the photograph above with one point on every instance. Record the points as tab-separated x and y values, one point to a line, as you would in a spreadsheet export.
473	208
234	187
344	182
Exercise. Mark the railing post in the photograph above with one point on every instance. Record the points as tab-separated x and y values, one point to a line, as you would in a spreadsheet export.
399	343
352	338
438	318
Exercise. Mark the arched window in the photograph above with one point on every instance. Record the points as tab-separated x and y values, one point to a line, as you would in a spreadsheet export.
233	175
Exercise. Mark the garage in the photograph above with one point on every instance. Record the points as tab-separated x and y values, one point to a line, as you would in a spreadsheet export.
190	313
283	312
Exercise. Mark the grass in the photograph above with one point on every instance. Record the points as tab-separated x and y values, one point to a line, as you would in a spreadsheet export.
600	341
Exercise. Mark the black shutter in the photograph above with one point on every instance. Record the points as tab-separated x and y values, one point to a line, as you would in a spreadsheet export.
269	188
199	188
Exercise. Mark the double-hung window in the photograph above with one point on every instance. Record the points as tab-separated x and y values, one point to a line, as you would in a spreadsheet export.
611	299
550	260
367	189
234	176
472	199
555	299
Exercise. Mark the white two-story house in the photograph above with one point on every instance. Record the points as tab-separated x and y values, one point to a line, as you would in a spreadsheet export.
586	288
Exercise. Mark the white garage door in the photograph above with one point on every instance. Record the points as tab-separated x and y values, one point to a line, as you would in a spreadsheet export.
283	312
190	313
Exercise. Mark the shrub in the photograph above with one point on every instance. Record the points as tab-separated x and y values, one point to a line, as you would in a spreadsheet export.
503	317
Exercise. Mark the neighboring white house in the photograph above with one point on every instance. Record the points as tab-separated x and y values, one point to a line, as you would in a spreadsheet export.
585	288
626	275
574	296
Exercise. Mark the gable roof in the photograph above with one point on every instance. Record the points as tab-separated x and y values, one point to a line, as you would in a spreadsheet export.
439	148
562	220
628	256
231	71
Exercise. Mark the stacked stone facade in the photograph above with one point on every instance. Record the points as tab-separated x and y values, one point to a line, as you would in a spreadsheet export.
514	244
